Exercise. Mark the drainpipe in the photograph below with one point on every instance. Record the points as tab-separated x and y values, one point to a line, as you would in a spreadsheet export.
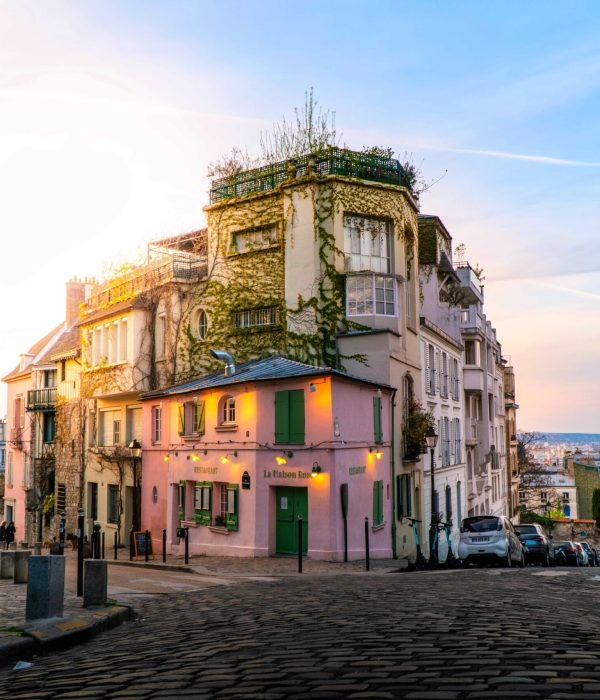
393	477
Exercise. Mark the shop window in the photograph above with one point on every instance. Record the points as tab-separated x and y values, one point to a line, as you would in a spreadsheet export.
289	417
227	513
377	503
203	493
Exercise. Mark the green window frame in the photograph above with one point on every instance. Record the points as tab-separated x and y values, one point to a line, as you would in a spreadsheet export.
289	417
232	520
203	498
181	500
191	418
377	428
377	503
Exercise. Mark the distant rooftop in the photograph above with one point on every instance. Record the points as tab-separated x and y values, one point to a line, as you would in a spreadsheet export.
331	161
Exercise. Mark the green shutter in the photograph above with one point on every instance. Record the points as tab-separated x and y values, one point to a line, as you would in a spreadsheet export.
282	416
377	502
377	419
200	417
232	518
182	500
204	515
181	419
296	416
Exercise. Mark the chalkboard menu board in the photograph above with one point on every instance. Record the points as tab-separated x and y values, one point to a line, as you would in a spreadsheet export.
139	544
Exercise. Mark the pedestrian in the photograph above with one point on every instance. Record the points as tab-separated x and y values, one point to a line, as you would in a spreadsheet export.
10	534
3	532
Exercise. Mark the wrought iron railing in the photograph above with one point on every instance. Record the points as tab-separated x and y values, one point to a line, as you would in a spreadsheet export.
331	161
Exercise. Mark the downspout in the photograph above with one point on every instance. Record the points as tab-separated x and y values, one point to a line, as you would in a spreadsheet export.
393	476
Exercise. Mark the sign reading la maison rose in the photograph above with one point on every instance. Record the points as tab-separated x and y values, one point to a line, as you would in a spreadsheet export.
280	474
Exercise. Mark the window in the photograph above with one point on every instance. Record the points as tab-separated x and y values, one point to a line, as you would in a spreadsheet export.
430	369
565	496
470	352
203	502
368	295
123	341
377	429
61	498
444	376
92	500
181	500
457	441
110	428
49	378
367	244
48	427
161	336
9	470
227	515
18	419
191	418
257	318
454	385
112	514
244	241
377	503
134	424
228	411
408	287
448	504
445	441
403	496
289	417
63	370
458	502
156	423
201	325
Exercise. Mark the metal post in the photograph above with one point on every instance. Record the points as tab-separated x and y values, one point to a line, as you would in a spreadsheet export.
116	546
61	532
187	545
164	546
103	543
367	548
146	544
131	544
96	541
300	544
80	514
433	544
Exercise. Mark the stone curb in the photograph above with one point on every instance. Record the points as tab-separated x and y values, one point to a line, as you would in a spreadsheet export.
46	636
151	565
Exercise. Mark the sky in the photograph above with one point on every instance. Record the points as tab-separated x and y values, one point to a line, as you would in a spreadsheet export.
110	112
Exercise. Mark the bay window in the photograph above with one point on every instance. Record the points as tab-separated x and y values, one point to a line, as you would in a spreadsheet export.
368	295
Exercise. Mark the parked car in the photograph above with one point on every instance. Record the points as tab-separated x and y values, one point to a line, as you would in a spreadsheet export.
573	554
539	547
591	552
486	539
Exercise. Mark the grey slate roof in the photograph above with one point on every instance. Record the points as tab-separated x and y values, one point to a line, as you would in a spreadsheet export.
266	369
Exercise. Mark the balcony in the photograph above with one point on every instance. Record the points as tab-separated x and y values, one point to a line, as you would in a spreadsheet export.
16	438
330	161
470	320
41	399
472	378
469	284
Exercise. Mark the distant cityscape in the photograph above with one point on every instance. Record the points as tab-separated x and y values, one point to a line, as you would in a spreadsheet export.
552	447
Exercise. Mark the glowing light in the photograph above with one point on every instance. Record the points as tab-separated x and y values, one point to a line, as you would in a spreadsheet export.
316	470
195	457
281	461
224	460
166	458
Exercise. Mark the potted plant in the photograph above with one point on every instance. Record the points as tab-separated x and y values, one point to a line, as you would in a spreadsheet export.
415	426
220	521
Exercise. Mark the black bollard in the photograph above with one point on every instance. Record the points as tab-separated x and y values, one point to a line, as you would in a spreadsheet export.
80	546
61	532
131	544
115	546
367	553
187	545
103	542
96	541
164	547
299	544
146	544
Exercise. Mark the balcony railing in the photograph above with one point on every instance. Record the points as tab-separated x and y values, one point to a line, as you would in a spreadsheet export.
331	161
41	399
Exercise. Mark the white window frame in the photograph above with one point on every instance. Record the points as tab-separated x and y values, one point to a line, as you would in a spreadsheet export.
201	324
228	411
156	424
254	239
369	289
257	318
360	234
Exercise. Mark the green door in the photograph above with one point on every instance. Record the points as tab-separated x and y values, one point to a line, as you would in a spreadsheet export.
291	502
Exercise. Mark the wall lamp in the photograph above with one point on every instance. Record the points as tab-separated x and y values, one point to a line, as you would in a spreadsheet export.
282	460
225	458
316	469
376	451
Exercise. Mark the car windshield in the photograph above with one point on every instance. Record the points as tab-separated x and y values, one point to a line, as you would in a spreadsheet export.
526	530
482	523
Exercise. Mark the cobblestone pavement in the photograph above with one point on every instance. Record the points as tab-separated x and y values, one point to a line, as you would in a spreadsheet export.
472	634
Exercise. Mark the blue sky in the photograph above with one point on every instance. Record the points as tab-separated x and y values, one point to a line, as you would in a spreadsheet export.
110	112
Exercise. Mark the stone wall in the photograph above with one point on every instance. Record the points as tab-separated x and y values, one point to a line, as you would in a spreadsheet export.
586	480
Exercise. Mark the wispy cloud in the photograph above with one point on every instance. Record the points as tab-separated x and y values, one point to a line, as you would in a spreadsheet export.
547	160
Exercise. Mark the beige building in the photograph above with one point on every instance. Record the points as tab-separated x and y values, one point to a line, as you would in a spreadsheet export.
512	458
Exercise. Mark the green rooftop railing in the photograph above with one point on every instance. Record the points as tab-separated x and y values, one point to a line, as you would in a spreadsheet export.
332	161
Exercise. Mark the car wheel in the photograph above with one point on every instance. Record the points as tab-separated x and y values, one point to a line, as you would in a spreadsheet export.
508	562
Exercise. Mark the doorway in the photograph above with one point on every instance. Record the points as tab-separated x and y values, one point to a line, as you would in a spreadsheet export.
291	502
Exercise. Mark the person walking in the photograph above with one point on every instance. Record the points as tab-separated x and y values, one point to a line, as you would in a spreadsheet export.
2	532
10	534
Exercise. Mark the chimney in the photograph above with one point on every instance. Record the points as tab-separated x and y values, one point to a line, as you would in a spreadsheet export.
75	297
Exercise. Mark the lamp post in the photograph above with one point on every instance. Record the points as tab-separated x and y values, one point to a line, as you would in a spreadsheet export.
547	509
136	453
431	439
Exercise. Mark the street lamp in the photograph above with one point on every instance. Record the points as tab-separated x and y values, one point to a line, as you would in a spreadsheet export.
135	449
547	509
431	440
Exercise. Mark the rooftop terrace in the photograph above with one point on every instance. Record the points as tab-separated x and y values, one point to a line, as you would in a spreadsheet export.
332	161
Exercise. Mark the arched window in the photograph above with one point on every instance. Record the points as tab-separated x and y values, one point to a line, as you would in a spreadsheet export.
228	410
201	325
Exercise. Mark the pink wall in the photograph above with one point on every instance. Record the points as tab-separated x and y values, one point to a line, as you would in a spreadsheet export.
343	458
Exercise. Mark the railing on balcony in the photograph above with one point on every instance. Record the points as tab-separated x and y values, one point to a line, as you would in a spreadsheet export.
41	399
330	161
181	267
16	438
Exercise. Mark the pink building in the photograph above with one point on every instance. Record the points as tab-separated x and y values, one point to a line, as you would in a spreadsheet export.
236	457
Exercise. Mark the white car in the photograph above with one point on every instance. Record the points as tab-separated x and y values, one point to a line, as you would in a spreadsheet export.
486	539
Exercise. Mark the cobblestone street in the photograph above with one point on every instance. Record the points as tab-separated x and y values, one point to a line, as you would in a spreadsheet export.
464	634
